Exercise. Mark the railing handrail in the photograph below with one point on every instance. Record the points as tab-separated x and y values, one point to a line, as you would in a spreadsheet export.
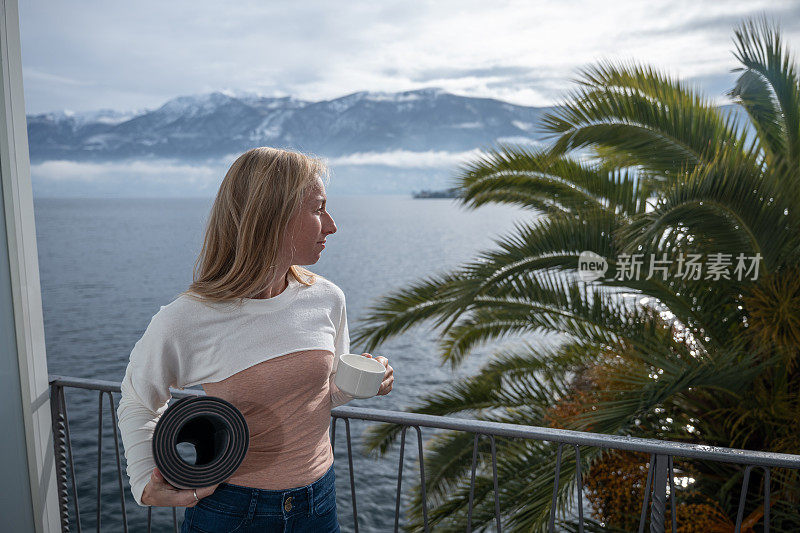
499	429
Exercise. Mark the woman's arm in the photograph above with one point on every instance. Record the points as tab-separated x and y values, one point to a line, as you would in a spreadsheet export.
152	369
137	423
342	345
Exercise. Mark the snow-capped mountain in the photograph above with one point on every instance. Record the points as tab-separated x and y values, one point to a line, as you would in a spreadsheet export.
376	142
208	126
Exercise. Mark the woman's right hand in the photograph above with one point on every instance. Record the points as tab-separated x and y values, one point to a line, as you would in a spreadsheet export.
159	493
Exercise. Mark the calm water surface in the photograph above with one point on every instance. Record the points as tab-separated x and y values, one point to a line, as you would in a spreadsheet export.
107	265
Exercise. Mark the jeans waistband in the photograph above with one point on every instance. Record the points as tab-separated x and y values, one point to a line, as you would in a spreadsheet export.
238	498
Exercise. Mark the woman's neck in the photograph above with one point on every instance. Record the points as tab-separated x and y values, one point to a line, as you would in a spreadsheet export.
276	288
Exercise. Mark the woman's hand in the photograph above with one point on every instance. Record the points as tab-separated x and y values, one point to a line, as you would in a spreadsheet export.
388	376
159	493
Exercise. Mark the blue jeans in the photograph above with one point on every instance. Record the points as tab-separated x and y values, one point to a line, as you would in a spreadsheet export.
241	509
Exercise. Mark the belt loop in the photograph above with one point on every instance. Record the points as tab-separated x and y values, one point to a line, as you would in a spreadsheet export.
310	500
253	503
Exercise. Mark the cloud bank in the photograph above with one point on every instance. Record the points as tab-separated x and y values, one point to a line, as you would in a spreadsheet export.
138	55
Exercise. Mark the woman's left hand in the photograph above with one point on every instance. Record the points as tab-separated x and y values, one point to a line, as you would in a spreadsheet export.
388	376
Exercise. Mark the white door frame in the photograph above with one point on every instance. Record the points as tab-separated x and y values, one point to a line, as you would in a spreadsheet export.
25	404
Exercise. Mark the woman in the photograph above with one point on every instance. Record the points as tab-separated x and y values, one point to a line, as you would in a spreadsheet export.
261	332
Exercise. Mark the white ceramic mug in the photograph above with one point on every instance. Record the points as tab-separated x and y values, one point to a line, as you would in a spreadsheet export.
359	375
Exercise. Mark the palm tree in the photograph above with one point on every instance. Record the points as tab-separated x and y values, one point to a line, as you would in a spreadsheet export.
640	163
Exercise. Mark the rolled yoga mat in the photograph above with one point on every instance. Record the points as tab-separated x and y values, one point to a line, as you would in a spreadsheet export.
218	432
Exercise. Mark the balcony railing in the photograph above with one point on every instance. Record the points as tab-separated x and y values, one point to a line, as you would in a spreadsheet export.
660	472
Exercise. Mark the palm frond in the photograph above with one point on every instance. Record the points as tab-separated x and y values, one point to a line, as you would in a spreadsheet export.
769	90
653	379
532	178
538	245
643	115
734	209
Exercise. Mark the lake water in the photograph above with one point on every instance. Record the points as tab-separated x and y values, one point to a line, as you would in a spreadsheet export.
107	265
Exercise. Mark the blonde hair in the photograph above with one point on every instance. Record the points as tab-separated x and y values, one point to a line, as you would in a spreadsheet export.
261	192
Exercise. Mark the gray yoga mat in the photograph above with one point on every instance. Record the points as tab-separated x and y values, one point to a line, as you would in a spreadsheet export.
218	432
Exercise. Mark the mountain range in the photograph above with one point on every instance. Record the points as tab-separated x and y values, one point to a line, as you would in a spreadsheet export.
375	142
213	125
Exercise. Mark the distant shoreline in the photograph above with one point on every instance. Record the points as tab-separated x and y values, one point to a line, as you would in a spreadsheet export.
447	193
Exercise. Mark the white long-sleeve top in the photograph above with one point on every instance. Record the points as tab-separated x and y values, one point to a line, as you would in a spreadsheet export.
236	353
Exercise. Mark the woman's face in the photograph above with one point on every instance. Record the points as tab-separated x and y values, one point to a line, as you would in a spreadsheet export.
310	226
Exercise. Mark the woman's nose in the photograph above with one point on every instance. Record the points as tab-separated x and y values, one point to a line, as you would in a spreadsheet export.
331	226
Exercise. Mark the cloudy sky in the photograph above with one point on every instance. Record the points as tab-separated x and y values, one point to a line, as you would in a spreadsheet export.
85	55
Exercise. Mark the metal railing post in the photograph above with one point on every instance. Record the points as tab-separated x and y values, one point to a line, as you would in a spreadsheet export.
352	473
659	494
60	449
472	481
553	503
399	479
